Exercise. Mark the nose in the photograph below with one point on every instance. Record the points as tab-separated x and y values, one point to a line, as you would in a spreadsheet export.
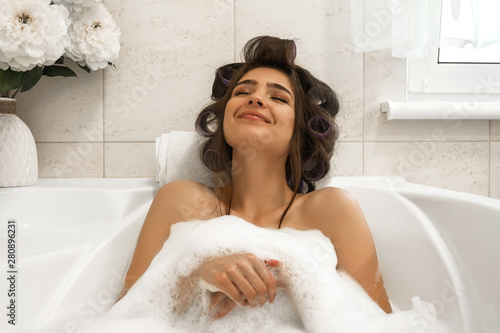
256	100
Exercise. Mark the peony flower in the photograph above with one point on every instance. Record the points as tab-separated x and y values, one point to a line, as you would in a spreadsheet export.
32	33
94	37
77	5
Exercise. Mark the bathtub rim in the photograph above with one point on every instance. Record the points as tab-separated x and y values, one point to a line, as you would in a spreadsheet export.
395	183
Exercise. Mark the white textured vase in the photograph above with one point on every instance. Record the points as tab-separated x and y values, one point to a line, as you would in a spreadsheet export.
18	156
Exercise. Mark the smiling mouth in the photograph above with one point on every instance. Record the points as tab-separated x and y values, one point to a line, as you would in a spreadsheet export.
254	116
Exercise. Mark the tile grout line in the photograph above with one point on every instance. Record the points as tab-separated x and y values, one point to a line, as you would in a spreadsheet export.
363	126
489	169
489	159
103	129
234	30
424	141
97	142
339	141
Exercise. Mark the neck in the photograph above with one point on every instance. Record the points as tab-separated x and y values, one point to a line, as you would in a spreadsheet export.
259	186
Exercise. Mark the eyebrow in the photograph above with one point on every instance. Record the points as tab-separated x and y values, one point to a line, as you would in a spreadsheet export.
269	84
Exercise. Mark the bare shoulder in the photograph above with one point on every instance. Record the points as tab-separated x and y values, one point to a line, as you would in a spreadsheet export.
331	195
188	199
330	203
335	212
183	187
177	201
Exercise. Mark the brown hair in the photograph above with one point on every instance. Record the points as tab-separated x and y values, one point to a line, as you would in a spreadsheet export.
315	131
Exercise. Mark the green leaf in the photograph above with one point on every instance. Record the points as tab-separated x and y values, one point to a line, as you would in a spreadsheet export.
31	78
60	61
58	71
10	79
84	67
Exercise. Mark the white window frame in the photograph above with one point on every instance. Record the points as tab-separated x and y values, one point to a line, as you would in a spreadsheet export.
447	90
427	77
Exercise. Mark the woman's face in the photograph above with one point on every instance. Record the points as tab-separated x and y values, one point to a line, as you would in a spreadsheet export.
261	113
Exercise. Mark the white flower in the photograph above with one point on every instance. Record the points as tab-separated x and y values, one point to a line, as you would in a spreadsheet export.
77	5
95	37
32	33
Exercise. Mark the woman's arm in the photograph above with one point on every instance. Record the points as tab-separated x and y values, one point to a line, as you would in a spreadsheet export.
337	214
242	277
171	204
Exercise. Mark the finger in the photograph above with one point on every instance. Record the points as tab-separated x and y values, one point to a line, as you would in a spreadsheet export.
216	299
226	283
243	284
260	288
268	278
227	305
272	263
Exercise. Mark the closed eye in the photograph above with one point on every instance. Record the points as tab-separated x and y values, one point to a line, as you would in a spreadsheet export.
237	93
277	98
280	99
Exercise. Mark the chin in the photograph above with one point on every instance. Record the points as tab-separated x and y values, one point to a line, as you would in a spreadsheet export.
248	135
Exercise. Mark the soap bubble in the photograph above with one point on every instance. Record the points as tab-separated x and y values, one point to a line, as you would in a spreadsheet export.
325	300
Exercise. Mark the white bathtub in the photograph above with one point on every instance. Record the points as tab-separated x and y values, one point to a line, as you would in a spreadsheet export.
75	237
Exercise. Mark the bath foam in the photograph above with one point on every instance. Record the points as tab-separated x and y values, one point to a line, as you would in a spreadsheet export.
317	297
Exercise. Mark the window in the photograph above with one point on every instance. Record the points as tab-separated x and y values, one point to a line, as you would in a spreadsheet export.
468	58
469	55
459	21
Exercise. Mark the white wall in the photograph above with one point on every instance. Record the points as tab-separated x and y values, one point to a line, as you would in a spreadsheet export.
104	124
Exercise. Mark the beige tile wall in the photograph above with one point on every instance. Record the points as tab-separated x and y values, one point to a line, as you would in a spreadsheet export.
105	124
495	169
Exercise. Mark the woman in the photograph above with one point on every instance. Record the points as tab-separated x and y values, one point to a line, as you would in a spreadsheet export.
270	135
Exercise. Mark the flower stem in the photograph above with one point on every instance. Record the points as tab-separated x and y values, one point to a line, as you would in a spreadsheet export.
15	92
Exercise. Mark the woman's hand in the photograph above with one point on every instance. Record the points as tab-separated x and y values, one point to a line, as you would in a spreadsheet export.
222	303
242	278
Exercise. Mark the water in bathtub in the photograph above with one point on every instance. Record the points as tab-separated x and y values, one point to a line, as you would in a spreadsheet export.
316	297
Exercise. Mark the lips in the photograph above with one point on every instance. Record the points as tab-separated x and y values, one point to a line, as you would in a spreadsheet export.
254	116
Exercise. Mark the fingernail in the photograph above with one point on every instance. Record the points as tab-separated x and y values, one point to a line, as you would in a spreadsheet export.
273	262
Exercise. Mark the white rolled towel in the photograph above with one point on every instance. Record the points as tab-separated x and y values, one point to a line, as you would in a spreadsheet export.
177	158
